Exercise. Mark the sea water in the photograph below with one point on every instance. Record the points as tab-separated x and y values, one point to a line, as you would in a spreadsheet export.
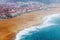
49	30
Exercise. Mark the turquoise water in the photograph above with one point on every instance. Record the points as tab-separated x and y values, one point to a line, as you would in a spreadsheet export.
50	32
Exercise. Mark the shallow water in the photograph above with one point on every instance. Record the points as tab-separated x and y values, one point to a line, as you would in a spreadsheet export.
49	30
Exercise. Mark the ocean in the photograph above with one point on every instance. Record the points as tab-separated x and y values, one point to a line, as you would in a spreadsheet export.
49	30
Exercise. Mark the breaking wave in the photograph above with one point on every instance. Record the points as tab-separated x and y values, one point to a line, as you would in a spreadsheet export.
49	30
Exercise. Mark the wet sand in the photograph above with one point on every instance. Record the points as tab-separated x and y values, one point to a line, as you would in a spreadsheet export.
9	27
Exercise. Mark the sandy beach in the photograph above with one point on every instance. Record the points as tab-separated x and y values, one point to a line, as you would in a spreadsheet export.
9	27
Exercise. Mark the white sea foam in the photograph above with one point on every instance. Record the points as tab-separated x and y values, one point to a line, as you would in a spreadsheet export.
48	21
51	19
